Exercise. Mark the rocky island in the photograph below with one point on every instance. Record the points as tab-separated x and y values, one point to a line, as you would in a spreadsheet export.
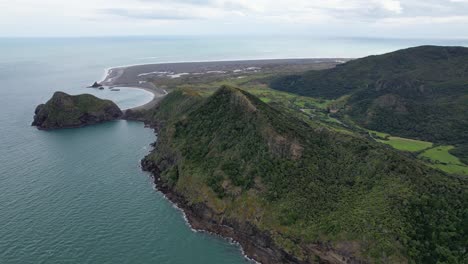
68	111
96	85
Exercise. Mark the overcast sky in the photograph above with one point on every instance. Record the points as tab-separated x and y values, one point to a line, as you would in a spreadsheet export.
362	18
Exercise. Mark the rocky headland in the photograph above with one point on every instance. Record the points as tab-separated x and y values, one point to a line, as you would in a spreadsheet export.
71	111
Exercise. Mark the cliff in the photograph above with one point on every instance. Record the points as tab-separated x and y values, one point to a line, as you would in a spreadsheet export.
67	111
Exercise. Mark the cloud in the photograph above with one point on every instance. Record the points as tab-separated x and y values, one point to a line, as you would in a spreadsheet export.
149	14
294	11
392	6
335	17
177	10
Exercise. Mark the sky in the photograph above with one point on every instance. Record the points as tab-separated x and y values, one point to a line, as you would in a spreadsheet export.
444	19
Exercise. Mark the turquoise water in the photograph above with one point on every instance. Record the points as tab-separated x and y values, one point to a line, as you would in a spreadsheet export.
78	195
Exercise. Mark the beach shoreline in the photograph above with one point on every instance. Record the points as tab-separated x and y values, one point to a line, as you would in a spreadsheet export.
114	73
138	75
144	76
154	100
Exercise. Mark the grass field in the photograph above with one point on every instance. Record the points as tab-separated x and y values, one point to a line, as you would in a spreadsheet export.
441	158
265	99
441	154
405	144
452	169
437	157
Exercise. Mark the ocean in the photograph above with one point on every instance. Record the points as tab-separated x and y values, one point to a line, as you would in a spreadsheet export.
79	195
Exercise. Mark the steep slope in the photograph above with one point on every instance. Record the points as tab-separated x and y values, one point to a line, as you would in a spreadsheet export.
292	194
66	111
419	92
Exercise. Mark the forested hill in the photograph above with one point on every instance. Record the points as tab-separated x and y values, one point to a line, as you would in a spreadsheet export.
309	190
418	92
409	69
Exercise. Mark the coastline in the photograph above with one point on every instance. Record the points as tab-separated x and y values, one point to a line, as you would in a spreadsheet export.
138	75
189	223
154	101
110	80
256	245
337	60
144	76
197	218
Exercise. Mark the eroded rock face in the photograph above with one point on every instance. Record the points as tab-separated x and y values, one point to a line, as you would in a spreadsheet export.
67	111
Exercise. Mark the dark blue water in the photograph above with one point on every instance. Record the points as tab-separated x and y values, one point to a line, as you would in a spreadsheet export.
79	196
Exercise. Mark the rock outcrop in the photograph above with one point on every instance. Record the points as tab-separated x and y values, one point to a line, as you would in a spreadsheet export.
95	85
67	111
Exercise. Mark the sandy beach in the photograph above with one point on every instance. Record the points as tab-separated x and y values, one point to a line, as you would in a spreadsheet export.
158	94
112	80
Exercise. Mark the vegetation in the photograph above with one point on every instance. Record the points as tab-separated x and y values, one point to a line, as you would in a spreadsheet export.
406	144
63	111
304	183
442	154
307	108
311	110
441	158
414	93
461	151
451	168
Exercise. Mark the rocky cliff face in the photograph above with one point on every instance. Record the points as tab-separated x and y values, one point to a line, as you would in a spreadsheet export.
67	111
256	244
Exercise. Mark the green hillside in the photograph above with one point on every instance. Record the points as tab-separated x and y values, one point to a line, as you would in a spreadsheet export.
418	93
310	189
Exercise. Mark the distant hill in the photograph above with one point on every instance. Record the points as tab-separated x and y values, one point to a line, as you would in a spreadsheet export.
67	111
419	92
290	193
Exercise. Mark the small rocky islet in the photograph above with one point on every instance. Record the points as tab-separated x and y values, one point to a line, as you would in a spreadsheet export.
96	85
71	111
